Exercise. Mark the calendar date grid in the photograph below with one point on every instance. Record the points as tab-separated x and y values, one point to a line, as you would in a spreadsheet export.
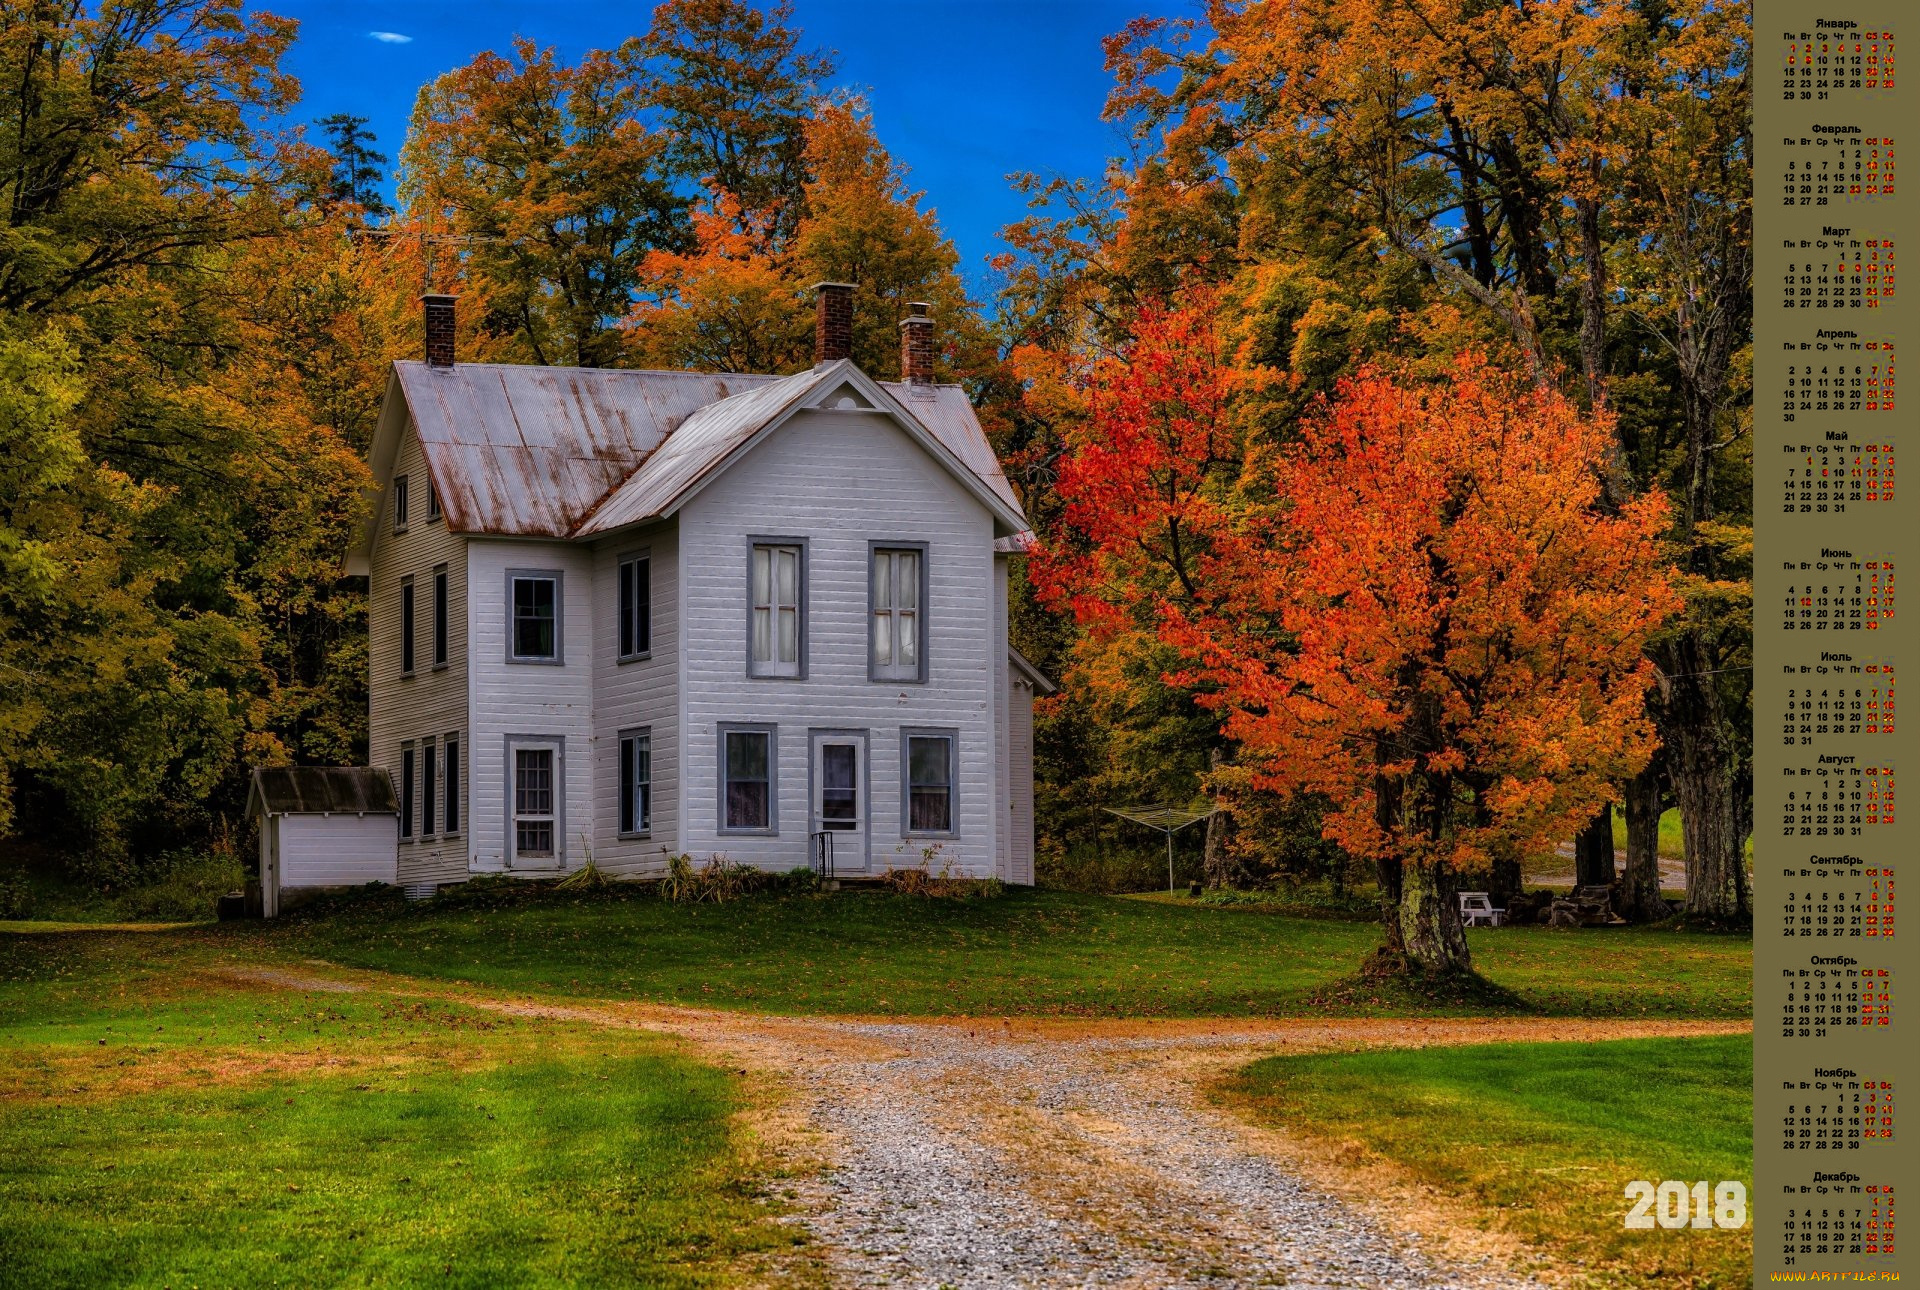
1837	1111
1818	65
1837	593
1836	162
1834	995
1838	271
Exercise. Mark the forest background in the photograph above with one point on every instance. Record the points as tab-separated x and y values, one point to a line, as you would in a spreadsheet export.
1331	210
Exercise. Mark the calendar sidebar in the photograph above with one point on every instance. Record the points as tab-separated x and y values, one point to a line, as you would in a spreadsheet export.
1833	1040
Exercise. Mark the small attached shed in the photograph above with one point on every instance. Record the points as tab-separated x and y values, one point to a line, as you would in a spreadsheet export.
323	827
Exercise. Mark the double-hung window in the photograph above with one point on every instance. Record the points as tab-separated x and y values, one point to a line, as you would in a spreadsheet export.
452	794
406	790
896	595
440	616
533	600
399	503
928	777
406	626
777	620
636	782
636	606
433	502
746	779
429	774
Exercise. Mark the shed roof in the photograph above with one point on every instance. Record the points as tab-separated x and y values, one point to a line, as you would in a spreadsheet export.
536	451
1040	681
321	790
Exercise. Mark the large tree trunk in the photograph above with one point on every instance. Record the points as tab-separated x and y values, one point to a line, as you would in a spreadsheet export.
1638	899
1221	867
1431	932
1593	851
1700	763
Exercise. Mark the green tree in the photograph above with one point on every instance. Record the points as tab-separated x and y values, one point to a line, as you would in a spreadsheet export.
358	168
735	92
557	188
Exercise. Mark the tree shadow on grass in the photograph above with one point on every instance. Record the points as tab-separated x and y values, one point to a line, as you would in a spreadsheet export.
1389	982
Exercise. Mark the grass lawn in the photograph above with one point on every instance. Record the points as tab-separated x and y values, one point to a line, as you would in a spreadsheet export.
1670	845
161	1124
1026	953
1542	1138
167	1117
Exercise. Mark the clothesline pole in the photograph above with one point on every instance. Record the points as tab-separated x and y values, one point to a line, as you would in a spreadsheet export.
1167	820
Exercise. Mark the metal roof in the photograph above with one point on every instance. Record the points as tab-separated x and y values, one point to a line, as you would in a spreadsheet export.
318	790
544	451
702	442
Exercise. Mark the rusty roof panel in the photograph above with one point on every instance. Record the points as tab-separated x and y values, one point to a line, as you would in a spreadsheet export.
703	440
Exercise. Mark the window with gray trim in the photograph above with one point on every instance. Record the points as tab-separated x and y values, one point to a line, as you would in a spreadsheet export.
896	600
406	790
747	780
453	783
429	786
635	608
533	606
636	782
534	795
406	626
440	616
927	778
776	616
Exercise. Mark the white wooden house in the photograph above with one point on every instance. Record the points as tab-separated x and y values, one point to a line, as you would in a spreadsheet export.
628	614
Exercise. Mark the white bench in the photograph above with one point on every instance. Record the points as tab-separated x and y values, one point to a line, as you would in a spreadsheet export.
1476	910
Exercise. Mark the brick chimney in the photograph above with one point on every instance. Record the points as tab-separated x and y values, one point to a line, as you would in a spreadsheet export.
439	315
916	345
832	321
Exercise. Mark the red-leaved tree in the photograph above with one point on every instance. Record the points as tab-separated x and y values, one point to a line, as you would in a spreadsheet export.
1422	610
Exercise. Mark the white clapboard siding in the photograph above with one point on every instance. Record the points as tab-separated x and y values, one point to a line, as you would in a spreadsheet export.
432	703
335	850
639	693
840	479
1020	773
1003	859
545	700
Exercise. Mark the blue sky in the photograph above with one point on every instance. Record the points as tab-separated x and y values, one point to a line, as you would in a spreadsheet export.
963	91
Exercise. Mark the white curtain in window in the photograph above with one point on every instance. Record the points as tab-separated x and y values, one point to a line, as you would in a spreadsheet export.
896	612
776	604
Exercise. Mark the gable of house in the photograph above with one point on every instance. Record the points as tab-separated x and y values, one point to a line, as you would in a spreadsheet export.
574	452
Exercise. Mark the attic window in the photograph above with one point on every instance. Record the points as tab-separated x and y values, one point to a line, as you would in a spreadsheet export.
846	399
399	503
433	502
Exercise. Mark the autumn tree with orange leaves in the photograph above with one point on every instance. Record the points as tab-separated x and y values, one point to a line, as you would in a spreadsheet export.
1421	611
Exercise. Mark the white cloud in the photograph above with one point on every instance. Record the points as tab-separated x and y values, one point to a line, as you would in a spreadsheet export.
391	38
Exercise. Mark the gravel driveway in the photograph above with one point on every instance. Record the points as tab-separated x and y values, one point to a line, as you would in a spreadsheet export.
992	1153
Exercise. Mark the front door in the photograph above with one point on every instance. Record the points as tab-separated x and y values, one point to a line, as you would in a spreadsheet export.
840	797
